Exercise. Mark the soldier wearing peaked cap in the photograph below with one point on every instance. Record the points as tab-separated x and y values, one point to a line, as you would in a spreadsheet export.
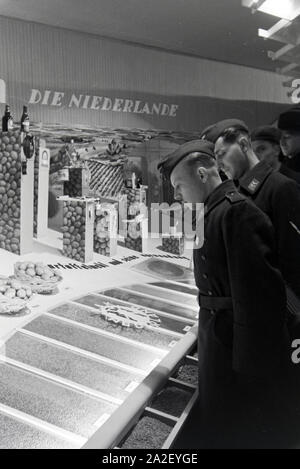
212	132
289	124
243	344
275	194
266	145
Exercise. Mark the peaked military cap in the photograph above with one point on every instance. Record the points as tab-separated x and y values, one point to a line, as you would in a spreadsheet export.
213	132
266	132
290	119
170	161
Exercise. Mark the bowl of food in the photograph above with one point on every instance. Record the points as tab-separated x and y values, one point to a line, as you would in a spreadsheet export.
14	295
12	305
38	276
13	288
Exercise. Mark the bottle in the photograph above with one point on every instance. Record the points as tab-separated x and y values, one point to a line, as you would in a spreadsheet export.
25	120
7	120
133	181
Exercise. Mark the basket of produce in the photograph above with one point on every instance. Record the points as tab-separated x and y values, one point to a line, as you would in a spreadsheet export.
13	296
12	305
38	276
12	288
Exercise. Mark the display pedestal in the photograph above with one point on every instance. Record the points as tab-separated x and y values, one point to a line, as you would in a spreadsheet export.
137	234
16	196
78	183
173	243
105	233
78	228
132	202
41	191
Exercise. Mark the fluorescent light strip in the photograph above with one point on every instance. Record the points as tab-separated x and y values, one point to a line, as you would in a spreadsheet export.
287	9
284	50
268	33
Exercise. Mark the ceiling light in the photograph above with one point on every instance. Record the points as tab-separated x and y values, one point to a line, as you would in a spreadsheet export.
287	9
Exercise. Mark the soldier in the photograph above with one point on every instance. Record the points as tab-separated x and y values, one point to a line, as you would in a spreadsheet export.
243	342
266	145
289	123
212	132
275	194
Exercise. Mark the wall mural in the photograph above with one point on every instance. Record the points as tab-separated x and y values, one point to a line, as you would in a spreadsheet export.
109	154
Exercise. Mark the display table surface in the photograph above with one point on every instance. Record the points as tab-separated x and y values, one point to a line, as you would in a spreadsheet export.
65	369
75	282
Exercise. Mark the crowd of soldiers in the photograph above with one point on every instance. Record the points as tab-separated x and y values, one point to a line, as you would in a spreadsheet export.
247	270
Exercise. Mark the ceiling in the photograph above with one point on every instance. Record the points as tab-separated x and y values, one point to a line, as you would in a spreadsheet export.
222	30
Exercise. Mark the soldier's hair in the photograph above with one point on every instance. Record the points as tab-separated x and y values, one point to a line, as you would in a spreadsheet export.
196	157
232	134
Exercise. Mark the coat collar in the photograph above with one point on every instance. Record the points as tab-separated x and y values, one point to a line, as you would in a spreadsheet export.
252	181
218	195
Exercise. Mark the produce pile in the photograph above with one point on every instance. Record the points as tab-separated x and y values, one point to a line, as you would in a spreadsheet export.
74	230
13	295
173	244
13	288
73	187
10	190
106	179
188	374
172	400
149	433
134	240
35	192
11	305
38	276
128	316
134	196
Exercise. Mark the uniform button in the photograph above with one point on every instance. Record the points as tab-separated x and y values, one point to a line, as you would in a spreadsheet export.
212	311
205	276
203	257
210	292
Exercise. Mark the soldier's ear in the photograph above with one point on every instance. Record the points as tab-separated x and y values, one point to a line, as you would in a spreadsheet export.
244	144
202	173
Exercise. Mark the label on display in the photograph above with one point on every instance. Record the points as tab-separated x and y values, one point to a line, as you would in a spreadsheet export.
63	175
26	125
187	328
155	363
131	386
173	343
10	124
101	420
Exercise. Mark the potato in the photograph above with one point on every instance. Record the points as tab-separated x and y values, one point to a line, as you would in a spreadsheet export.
15	284
21	293
30	272
46	277
10	293
39	271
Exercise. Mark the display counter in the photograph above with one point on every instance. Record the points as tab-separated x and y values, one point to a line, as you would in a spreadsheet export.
84	354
